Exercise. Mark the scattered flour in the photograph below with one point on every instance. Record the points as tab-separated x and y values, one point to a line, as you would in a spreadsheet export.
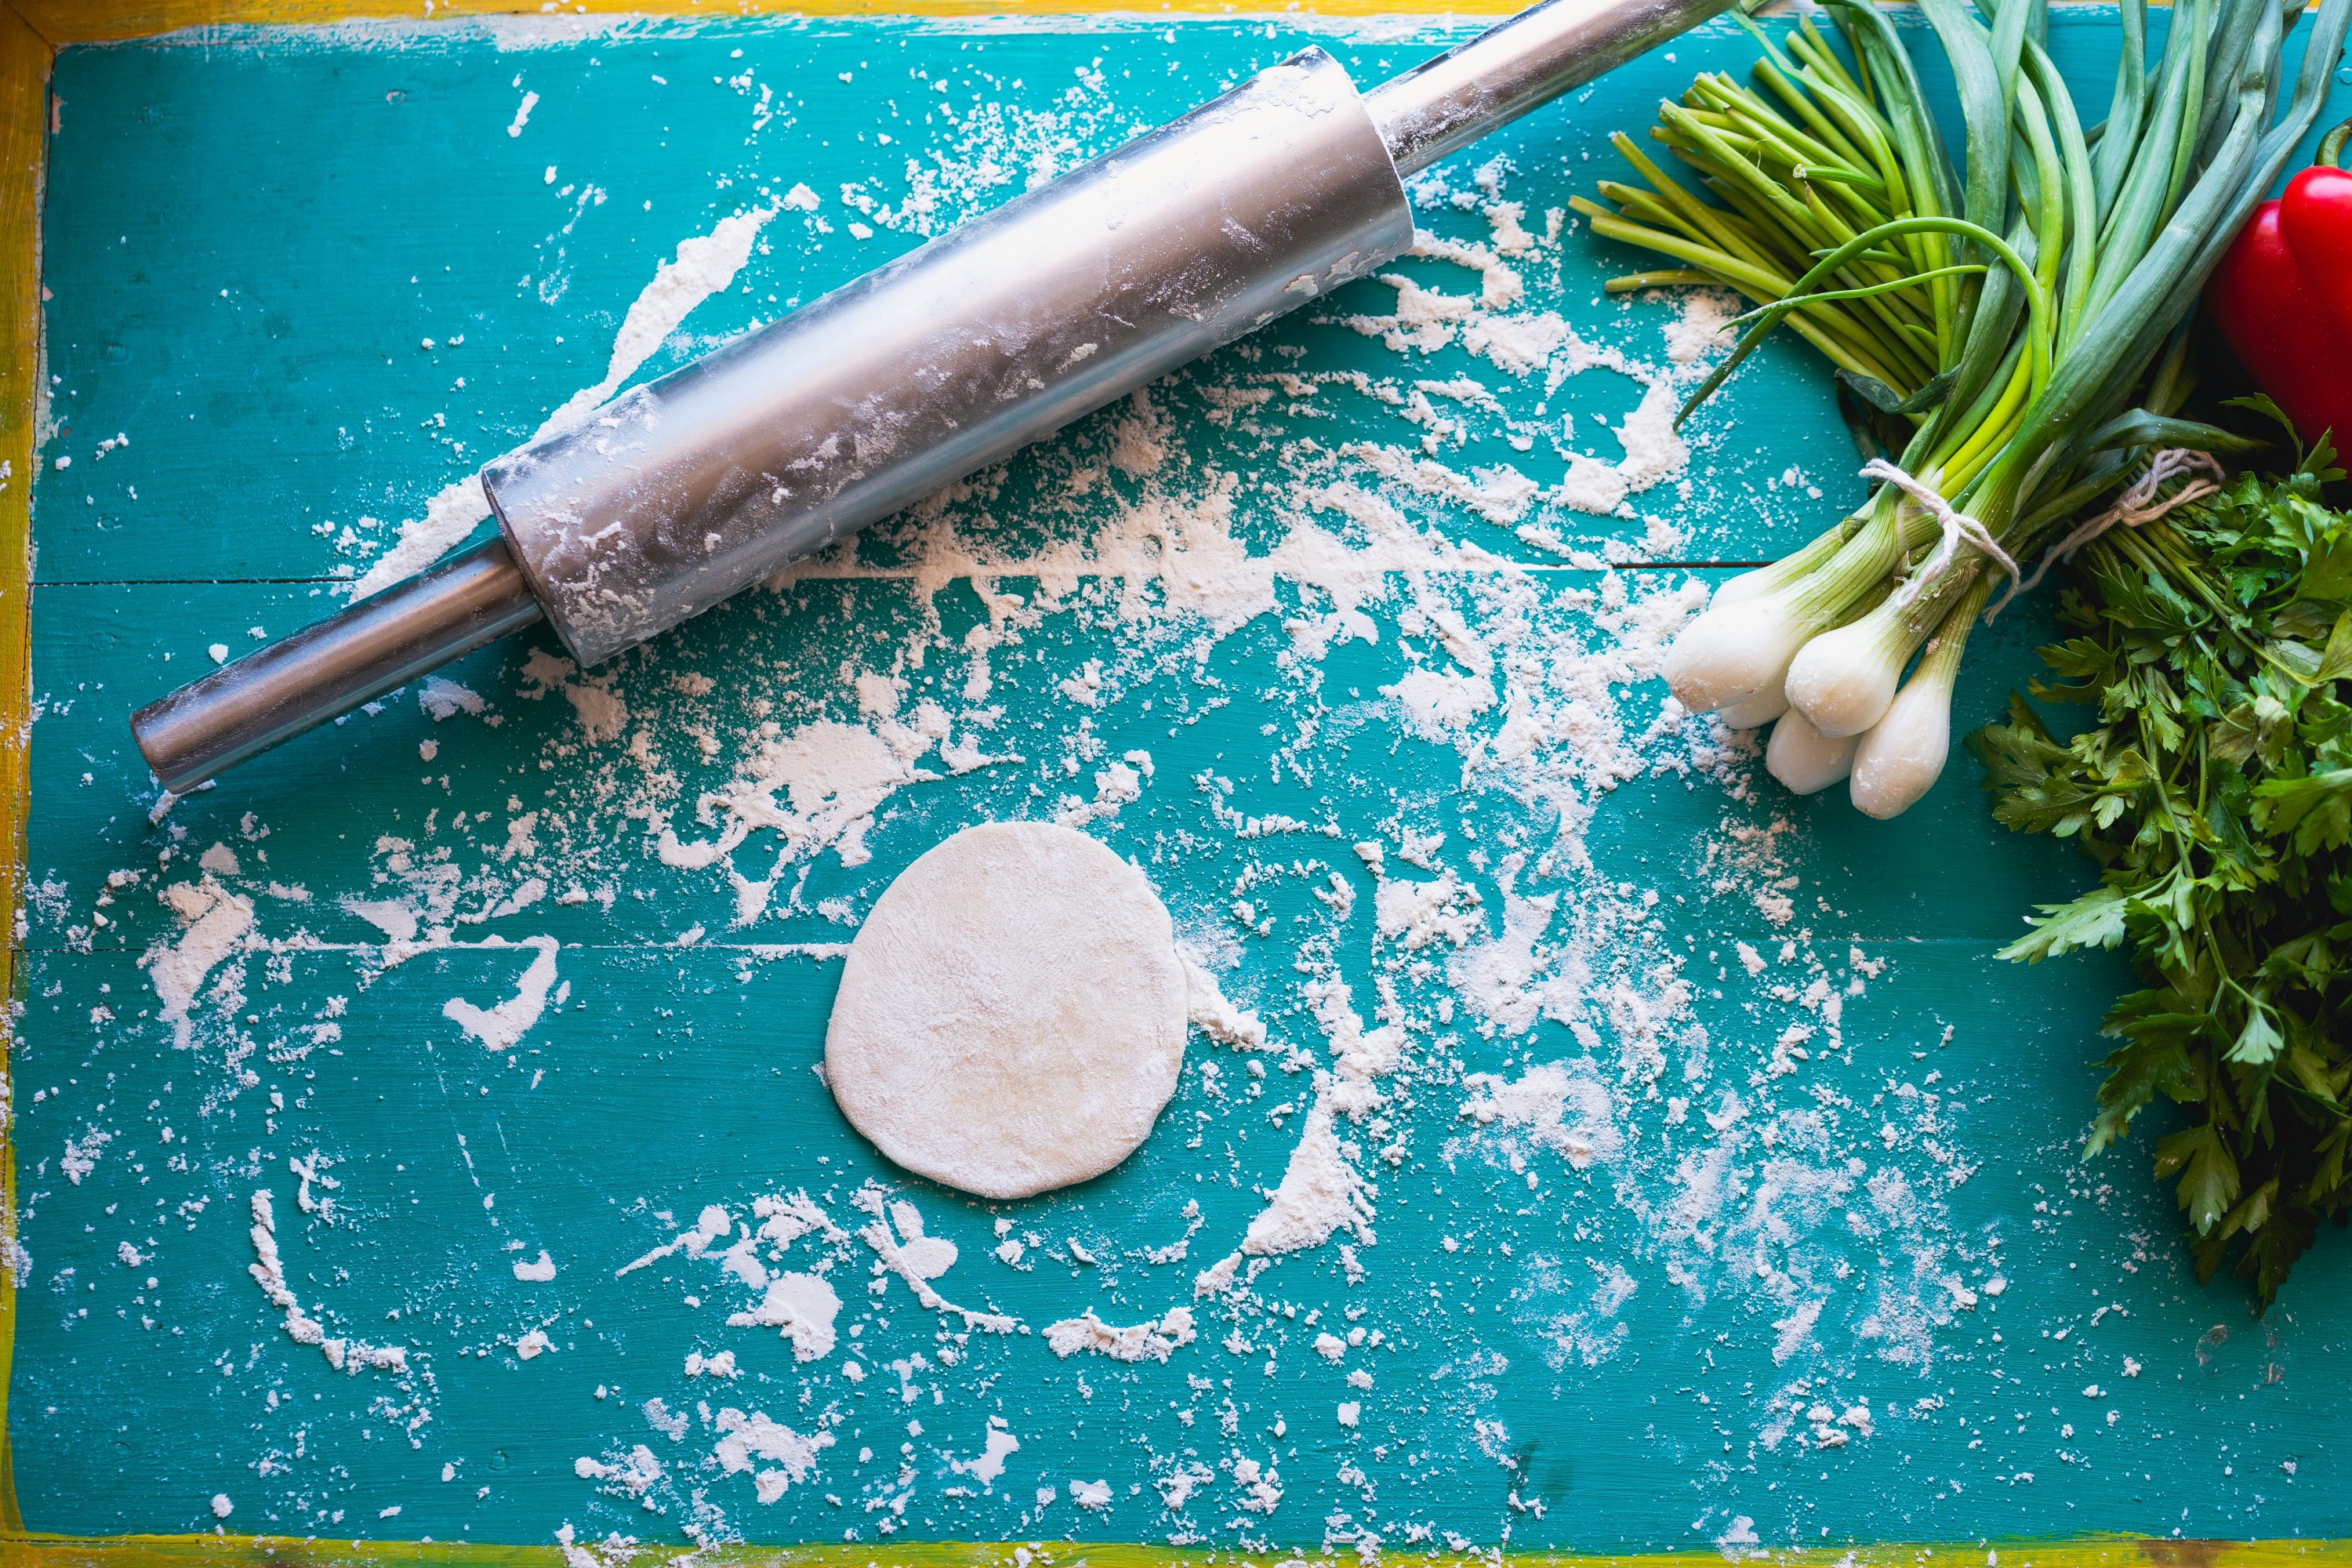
633	1475
444	698
1561	1105
774	1455
1322	1192
705	264
216	924
502	1027
816	789
721	1364
1735	1181
988	1465
713	1223
896	1234
80	1157
1651	451
270	1273
1436	701
1215	1016
801	1306
1141	1342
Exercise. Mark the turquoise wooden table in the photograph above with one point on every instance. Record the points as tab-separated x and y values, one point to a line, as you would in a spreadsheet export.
416	1135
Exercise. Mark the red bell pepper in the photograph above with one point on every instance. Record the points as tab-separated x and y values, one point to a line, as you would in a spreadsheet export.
2283	296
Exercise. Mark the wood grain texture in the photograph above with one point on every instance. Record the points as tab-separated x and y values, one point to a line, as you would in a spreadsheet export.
23	125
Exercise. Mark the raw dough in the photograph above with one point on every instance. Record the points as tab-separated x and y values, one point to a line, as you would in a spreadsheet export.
1011	1017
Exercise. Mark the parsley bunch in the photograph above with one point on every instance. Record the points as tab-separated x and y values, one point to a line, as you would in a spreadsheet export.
2215	792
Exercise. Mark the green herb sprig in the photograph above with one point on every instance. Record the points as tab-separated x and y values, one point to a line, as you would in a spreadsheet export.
2215	793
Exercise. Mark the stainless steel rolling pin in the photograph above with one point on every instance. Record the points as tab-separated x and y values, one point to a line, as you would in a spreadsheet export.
684	490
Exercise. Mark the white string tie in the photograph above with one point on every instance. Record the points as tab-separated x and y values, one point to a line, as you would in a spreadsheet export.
2141	503
1958	526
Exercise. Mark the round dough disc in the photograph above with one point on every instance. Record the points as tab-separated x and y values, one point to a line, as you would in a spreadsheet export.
1011	1017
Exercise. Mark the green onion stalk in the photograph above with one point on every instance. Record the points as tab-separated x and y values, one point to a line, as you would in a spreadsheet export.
2009	332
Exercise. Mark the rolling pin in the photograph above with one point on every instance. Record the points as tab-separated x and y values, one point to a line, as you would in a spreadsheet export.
684	490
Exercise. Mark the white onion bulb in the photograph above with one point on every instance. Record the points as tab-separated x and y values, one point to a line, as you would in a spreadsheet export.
1732	653
1804	758
1756	711
1740	589
1903	753
1844	680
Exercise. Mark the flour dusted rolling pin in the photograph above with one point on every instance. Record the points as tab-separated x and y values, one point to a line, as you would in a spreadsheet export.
684	490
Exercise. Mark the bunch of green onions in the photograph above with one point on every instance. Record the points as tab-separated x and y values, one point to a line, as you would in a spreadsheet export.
2009	333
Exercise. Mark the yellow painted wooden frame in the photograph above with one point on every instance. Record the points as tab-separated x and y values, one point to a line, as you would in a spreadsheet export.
31	32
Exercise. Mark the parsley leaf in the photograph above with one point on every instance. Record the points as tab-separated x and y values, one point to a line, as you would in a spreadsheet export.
2213	648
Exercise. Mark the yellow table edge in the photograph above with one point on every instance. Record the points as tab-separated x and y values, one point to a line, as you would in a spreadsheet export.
31	31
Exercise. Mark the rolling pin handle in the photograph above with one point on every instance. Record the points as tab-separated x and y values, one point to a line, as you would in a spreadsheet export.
1442	105
377	643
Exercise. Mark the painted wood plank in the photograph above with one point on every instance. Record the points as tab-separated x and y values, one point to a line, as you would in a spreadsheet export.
101	657
285	419
96	21
106	1401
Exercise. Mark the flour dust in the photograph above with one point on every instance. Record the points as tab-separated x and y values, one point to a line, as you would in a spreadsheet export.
1344	639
